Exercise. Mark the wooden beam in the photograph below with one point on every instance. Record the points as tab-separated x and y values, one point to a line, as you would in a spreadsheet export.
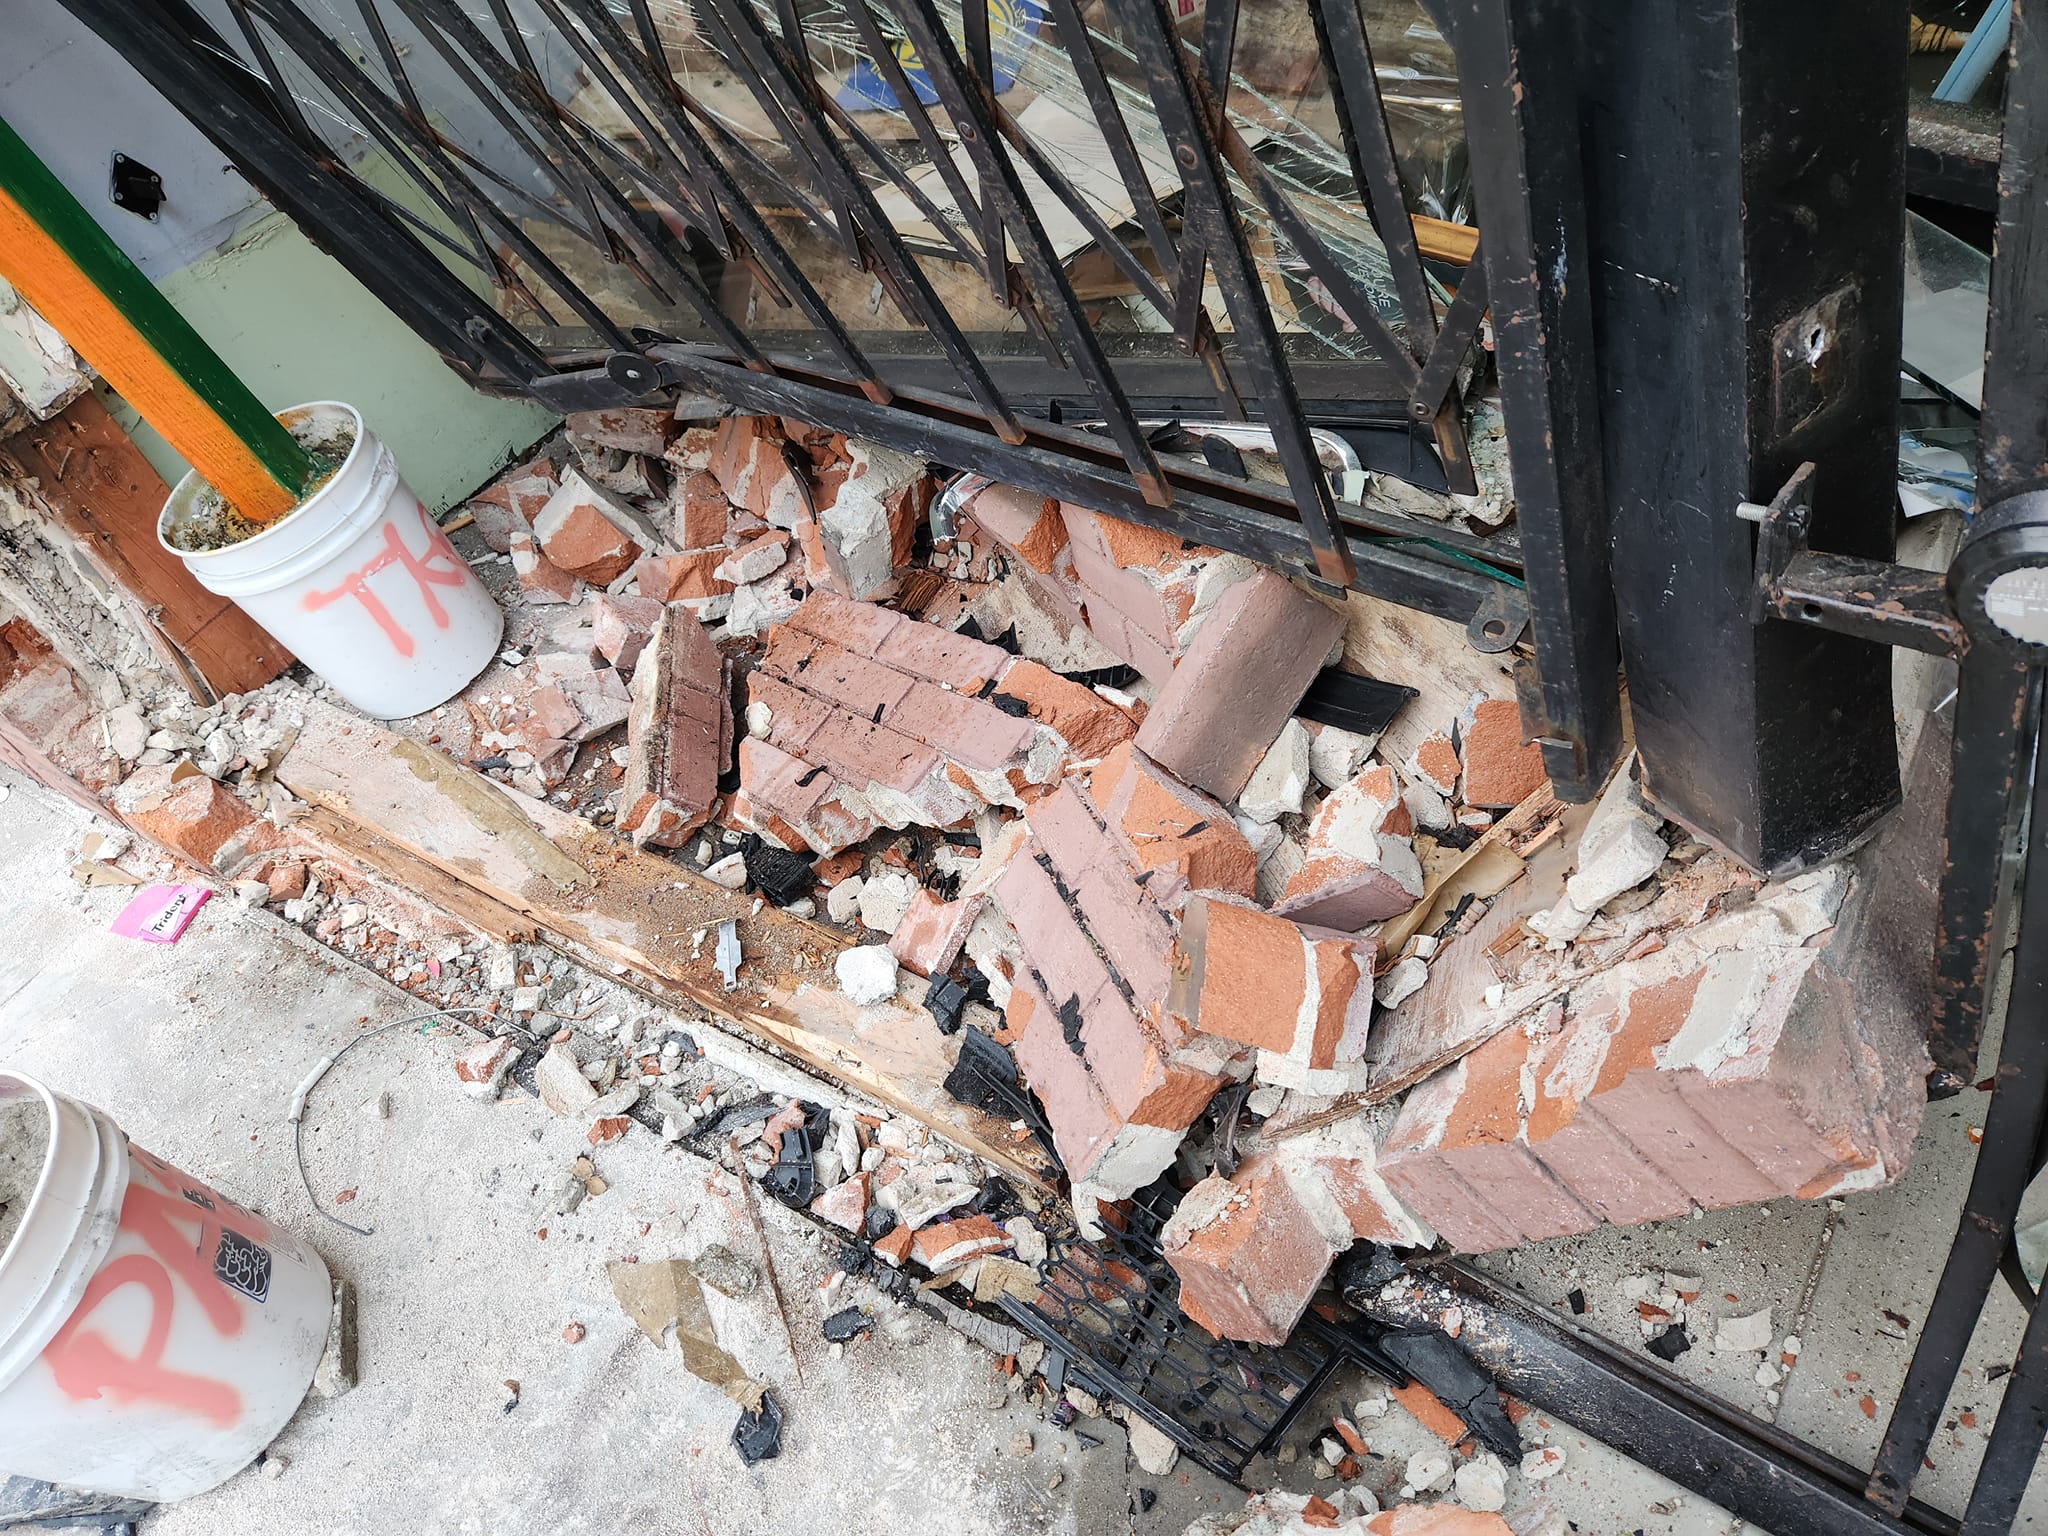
656	918
74	275
105	496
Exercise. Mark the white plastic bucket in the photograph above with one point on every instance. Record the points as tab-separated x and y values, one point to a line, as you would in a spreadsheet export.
153	1336
357	581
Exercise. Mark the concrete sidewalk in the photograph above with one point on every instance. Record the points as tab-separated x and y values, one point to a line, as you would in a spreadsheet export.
469	1281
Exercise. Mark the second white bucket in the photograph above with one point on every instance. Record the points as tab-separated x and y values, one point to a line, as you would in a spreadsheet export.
357	580
154	1336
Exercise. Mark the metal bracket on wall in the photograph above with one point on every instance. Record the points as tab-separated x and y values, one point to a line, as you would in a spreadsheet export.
1875	600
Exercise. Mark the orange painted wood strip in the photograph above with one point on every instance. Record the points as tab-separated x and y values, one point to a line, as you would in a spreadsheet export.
45	275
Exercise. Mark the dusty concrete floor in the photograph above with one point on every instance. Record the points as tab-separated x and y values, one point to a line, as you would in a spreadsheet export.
196	1048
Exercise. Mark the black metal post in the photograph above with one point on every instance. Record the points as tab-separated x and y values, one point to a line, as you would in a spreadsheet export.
1515	63
1743	261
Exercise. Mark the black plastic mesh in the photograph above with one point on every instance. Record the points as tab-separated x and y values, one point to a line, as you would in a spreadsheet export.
1112	1310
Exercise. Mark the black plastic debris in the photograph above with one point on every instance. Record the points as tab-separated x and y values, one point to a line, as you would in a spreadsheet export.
1222	454
946	1001
793	1178
846	1325
985	1076
758	1435
1064	1413
1351	702
1146	1499
785	878
1119	676
1086	1441
879	1223
1577	1299
1457	1381
1011	705
1670	1344
684	1043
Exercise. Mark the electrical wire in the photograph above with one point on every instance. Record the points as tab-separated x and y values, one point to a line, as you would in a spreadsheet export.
312	1079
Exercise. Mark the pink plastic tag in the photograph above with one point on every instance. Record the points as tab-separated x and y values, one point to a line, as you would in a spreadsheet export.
159	913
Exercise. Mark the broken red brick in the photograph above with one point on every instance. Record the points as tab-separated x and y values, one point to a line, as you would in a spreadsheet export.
1238	683
692	574
1428	1410
1085	720
845	1205
1435	762
192	816
621	627
609	1128
589	532
1436	1520
1301	994
1358	865
929	938
1028	523
754	559
943	1245
700	511
1169	827
540	579
679	734
1501	768
1740	1062
287	880
629	428
893	1247
483	1066
1251	1250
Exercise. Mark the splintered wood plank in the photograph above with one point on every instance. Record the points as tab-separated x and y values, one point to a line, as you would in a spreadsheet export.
106	496
1449	1016
653	916
338	838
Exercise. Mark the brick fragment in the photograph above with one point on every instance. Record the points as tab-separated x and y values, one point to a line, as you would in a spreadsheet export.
621	627
1028	523
698	512
929	938
1251	1250
1435	762
1501	768
755	558
943	1245
192	816
1083	718
629	428
679	734
540	579
590	532
845	1205
693	574
482	1068
1358	864
1170	828
1238	683
1264	981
